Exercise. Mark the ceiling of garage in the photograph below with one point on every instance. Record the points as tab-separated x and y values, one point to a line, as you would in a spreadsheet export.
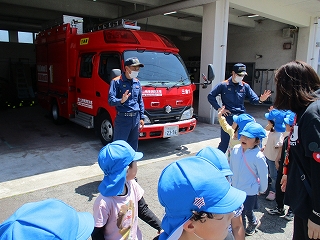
32	15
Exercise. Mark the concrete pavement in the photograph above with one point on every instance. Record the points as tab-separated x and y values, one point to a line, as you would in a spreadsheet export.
38	154
61	163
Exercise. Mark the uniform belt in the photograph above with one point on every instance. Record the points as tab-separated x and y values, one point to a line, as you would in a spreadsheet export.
127	114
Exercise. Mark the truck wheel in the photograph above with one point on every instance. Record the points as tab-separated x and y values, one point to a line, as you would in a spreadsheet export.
104	128
57	119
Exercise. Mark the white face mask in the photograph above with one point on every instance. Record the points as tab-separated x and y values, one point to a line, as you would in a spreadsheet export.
238	79
134	74
197	236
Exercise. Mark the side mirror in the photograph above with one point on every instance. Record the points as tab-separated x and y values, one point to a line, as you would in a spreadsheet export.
211	75
208	80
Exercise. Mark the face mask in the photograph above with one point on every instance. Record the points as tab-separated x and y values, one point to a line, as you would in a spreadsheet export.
197	236
238	79
134	74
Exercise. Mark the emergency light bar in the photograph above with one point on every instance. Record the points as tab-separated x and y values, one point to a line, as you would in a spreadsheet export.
119	36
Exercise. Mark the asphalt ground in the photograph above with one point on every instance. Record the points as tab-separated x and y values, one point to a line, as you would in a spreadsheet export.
41	160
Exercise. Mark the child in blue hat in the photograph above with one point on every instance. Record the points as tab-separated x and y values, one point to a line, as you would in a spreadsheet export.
276	128
115	210
218	159
250	171
198	200
239	121
279	209
48	219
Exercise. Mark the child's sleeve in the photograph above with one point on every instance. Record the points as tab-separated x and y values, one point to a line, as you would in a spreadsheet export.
101	212
225	126
98	233
262	169
231	159
145	214
283	155
279	140
233	156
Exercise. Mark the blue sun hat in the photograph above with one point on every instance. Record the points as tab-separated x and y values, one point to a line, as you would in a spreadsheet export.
289	118
253	130
193	184
241	120
218	159
114	159
277	116
49	219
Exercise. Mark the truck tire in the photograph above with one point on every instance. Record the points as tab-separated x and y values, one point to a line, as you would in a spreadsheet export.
104	128
57	119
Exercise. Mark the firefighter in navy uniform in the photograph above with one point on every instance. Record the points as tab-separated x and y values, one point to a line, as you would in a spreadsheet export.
126	95
233	92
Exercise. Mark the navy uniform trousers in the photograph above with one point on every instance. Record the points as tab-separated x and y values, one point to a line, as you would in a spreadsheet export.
126	128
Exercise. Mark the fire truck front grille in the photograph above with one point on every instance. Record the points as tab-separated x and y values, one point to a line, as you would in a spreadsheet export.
160	116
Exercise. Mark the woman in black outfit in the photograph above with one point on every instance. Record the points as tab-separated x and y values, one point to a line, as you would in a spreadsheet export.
298	90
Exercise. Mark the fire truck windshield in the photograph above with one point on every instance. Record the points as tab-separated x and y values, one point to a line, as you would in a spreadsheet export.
160	69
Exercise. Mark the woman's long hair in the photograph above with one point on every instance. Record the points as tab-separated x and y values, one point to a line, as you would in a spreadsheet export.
296	84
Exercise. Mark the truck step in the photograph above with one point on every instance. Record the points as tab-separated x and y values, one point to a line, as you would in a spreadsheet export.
83	119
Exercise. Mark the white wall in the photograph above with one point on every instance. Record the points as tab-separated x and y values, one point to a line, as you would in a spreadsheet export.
265	39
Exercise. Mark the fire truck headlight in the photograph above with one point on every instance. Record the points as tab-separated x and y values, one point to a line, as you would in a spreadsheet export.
146	120
187	114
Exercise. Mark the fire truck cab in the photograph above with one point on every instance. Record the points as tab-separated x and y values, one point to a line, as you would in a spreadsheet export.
74	72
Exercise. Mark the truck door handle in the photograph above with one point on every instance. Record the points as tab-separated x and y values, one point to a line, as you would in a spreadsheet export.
98	94
78	90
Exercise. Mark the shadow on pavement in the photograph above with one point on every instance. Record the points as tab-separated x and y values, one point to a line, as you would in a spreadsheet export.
89	190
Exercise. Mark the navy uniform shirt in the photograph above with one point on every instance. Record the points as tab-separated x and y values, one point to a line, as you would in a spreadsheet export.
232	96
118	87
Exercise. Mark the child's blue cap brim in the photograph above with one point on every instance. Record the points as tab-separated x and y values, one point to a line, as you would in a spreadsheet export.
194	184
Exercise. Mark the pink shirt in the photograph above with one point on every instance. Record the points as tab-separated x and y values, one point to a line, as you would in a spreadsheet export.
119	214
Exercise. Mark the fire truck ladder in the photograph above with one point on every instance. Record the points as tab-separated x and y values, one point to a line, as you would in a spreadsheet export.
117	24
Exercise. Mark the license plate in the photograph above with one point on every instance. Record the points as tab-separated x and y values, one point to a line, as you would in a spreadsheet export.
170	131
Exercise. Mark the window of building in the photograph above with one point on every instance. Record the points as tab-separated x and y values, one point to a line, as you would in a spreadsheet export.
25	37
4	36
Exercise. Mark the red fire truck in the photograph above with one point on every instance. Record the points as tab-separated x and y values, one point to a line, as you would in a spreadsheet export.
74	71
